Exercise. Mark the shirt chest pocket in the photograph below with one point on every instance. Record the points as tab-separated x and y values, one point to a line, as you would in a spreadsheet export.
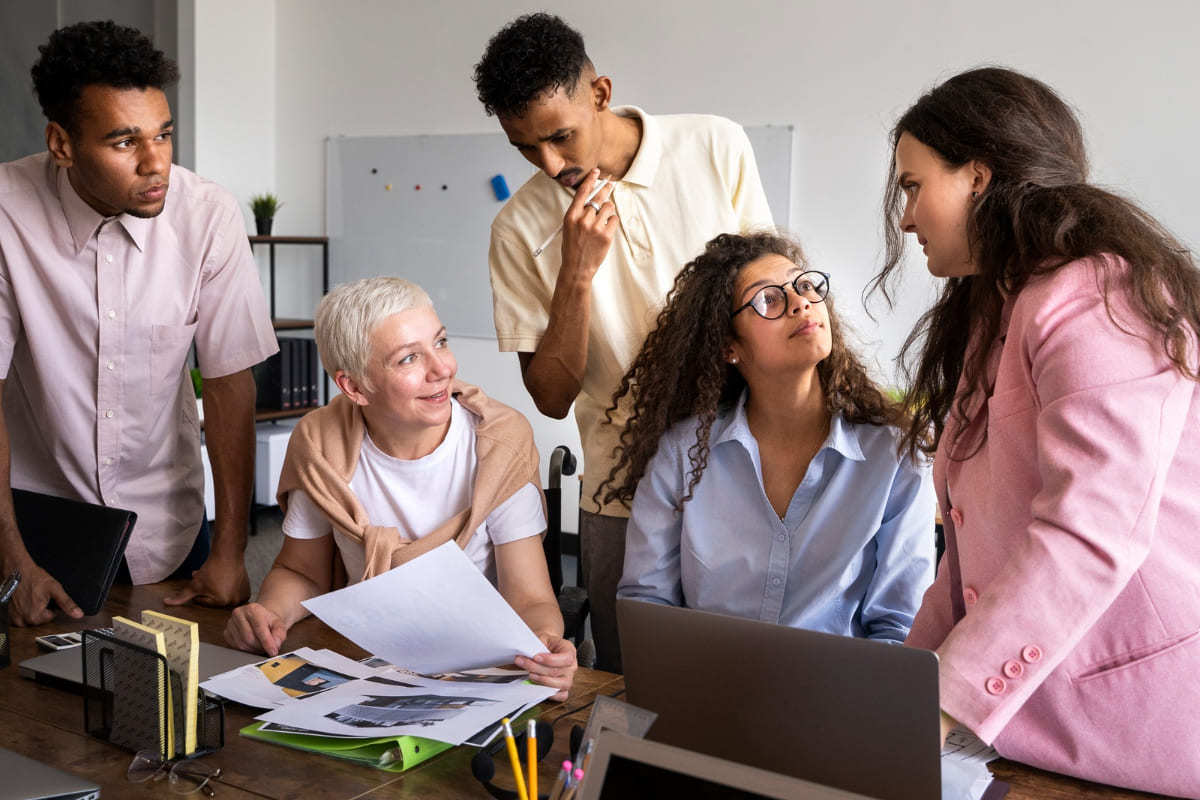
169	345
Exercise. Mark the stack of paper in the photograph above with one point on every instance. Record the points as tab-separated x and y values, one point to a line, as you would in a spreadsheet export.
181	638
456	646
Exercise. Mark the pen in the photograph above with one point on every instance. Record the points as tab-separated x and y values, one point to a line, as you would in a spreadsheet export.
514	758
531	748
600	184
10	586
560	782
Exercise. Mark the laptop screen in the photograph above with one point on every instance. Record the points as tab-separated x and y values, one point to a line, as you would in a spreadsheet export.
627	778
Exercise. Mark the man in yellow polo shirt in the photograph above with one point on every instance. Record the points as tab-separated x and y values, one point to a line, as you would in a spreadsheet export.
577	313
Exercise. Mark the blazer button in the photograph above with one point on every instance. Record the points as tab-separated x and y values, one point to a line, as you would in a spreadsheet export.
970	596
956	517
1031	653
995	685
1013	669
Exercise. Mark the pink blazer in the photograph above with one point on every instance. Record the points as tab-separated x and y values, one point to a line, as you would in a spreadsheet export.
1069	628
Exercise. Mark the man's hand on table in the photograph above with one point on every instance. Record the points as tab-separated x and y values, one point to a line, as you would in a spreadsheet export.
219	582
30	603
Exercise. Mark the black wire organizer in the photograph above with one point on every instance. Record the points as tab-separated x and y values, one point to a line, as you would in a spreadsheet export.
132	698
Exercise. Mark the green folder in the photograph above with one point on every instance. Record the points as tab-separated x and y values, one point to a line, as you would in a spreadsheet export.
390	753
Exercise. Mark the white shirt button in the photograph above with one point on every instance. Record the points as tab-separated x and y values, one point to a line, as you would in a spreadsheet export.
109	258
782	537
107	462
112	314
776	581
111	365
108	414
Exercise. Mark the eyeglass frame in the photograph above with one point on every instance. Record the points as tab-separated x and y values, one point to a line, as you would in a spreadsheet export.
783	287
174	770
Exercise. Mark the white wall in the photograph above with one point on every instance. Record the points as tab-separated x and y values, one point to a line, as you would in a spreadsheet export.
235	86
840	72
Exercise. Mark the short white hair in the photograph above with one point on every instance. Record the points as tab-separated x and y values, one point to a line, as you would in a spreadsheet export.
348	314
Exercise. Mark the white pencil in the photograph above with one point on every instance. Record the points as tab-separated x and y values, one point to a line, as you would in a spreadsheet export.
600	184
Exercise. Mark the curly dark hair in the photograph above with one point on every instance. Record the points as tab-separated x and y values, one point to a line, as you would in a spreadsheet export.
1037	213
531	56
95	53
681	370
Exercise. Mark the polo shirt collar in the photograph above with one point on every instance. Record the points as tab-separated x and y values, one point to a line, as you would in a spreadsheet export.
83	221
733	427
650	150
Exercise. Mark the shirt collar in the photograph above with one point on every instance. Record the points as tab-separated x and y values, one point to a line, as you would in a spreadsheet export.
650	149
83	221
733	427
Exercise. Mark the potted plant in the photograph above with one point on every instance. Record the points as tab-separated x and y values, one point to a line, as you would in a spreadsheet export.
264	207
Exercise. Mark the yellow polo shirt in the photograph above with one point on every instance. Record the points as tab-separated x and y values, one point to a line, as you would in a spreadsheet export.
694	176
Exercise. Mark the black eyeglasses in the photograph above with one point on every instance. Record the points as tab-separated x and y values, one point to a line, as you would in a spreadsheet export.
770	302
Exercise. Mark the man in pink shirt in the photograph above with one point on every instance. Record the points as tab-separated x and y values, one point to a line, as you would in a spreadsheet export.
113	262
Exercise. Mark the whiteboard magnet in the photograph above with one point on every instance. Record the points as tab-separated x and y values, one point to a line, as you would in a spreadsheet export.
387	187
500	187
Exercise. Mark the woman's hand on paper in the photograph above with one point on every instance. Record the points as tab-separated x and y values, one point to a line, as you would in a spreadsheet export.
556	668
256	628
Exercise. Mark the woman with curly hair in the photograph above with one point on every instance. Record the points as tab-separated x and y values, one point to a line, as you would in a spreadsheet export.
760	459
1058	375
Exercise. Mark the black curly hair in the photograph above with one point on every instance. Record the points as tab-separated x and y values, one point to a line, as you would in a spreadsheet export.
95	53
533	55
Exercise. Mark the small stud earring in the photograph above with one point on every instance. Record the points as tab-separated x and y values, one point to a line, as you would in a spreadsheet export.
974	195
733	359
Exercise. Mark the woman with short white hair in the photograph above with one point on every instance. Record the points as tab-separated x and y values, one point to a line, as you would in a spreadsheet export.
405	459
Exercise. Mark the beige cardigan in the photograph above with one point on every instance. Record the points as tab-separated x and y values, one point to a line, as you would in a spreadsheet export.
322	457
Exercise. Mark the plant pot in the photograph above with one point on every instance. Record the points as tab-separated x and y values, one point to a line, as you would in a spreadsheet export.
263	225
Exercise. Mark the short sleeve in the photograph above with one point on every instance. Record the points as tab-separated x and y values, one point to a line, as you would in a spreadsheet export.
746	189
234	330
520	305
518	517
303	519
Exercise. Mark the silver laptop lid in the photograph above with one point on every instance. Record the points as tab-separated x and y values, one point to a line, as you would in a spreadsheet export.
624	766
850	713
65	667
27	779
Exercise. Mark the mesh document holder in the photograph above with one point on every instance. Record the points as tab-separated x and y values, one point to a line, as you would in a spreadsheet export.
132	699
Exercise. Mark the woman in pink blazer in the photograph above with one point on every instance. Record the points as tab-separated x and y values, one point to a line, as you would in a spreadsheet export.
1056	380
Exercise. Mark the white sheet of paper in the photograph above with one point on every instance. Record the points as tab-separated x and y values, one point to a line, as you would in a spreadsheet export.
965	775
452	713
437	613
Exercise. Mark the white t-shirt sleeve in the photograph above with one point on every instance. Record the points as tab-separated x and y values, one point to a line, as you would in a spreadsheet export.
518	517
303	519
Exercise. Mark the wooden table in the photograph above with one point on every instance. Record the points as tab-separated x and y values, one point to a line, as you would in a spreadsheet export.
47	724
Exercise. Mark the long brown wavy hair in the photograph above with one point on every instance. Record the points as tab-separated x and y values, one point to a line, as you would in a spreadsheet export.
1037	213
681	370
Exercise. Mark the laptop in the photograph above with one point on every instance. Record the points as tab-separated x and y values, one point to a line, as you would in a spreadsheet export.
27	779
64	668
624	766
850	713
80	544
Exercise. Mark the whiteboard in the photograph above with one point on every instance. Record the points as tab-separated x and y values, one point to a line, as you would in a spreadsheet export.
421	207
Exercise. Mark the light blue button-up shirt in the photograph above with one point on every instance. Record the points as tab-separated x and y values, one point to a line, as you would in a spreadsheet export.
853	555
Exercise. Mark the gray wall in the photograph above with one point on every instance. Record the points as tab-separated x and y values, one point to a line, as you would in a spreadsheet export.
26	24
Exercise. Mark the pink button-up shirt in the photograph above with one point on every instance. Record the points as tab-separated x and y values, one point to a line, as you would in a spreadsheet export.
97	316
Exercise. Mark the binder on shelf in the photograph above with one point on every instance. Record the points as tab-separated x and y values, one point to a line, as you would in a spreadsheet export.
299	375
314	372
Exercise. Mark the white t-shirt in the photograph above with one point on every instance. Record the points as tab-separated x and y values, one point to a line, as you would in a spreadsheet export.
416	496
